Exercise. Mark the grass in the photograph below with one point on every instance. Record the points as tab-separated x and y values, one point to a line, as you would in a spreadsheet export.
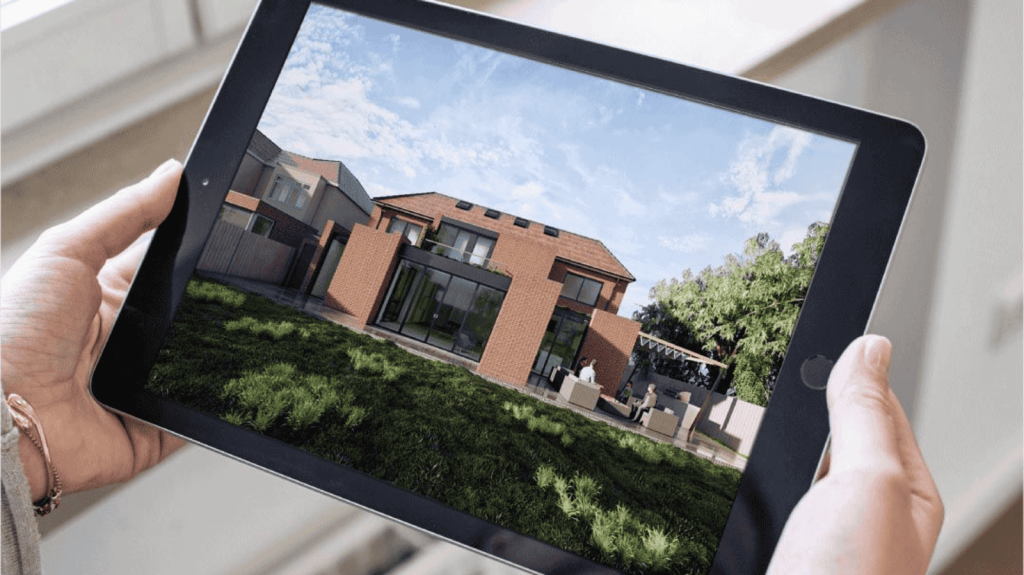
440	431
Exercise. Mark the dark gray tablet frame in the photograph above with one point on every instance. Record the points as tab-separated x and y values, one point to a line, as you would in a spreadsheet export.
840	300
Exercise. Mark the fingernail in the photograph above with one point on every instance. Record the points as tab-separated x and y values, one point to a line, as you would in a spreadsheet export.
163	168
878	353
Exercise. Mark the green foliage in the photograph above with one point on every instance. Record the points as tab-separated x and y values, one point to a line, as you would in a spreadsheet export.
538	423
621	537
374	363
276	330
261	398
444	433
215	293
742	313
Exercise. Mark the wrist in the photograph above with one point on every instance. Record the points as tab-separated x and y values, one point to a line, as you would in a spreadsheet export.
45	494
33	465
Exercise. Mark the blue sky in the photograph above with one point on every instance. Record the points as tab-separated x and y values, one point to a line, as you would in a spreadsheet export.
666	184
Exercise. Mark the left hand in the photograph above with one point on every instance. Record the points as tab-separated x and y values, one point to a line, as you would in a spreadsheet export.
57	305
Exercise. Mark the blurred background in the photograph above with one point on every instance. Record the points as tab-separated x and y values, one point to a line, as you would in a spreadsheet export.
97	93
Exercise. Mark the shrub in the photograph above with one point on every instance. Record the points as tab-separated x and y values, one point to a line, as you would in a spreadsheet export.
276	330
618	535
262	397
215	293
374	363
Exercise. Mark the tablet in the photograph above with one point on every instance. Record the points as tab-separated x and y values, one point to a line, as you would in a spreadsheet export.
566	305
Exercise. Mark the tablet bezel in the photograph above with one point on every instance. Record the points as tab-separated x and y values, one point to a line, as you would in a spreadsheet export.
839	302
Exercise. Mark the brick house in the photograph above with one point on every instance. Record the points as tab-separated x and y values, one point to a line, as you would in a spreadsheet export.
515	297
306	204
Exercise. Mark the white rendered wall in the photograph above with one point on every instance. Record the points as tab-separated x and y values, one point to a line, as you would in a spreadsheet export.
952	301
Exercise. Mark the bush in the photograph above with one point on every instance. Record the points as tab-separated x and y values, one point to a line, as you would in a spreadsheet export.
276	330
374	363
279	390
619	535
215	293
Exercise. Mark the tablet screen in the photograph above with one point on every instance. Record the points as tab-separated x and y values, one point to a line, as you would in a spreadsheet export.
552	301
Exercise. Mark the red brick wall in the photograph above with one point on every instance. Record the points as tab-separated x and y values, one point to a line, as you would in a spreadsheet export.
364	273
610	340
568	245
519	328
611	290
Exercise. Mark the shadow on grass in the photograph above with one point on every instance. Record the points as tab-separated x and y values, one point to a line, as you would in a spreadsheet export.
445	433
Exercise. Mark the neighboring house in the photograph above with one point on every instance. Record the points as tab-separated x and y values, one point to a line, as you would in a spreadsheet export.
515	297
306	204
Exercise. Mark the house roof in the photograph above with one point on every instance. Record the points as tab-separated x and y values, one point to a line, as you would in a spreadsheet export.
334	171
570	247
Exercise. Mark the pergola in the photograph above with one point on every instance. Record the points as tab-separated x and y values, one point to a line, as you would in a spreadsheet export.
673	351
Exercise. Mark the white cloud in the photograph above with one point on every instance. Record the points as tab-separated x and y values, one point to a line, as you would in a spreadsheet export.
790	237
528	191
755	173
687	244
408	102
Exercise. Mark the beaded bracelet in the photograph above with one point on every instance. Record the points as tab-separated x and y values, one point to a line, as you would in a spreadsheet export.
25	418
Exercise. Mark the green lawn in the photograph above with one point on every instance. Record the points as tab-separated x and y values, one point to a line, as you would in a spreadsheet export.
438	430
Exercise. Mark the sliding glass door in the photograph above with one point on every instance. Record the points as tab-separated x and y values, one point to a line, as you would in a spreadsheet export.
561	341
445	311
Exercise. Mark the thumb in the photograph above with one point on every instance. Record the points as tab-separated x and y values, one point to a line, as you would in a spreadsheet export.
863	412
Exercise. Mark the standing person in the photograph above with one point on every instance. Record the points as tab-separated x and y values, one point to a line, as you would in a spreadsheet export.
650	400
588	373
579	366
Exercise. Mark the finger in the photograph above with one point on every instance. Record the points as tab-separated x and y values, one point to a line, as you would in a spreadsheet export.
106	229
862	409
927	508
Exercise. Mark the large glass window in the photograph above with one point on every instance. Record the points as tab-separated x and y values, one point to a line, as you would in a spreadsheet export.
463	245
561	341
408	229
581	289
249	221
289	192
445	311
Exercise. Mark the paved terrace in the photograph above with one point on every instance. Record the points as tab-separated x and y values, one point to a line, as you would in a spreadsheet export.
698	444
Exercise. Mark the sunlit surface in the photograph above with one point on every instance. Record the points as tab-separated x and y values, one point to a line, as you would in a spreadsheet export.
723	35
14	12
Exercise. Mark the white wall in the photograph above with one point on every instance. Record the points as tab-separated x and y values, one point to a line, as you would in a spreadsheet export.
952	299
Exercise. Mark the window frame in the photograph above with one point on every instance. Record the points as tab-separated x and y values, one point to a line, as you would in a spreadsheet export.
407	225
583	283
251	218
468	255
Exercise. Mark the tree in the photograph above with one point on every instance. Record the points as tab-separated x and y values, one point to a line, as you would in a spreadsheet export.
741	313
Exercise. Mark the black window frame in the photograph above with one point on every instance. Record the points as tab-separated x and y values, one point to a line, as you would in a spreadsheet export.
476	231
578	291
405	229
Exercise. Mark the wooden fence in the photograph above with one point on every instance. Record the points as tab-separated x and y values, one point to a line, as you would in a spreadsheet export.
233	251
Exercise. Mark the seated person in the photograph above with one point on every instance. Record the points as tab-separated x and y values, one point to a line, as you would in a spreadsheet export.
649	402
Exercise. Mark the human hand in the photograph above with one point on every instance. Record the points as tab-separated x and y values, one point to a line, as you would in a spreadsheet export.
877	509
57	305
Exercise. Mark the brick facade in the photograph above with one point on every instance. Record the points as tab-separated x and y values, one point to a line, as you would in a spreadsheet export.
537	264
612	289
364	273
610	340
520	327
331	231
